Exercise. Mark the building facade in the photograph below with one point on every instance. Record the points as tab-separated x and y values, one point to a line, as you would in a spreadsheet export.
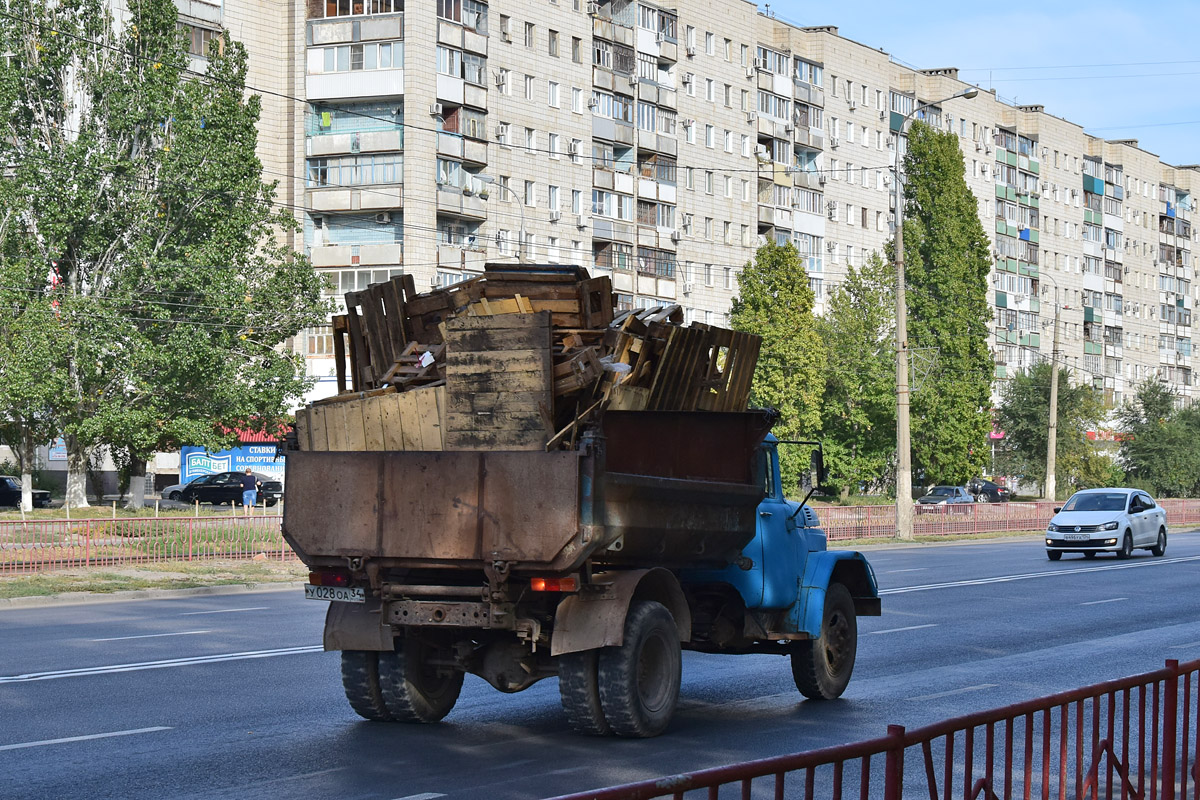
662	145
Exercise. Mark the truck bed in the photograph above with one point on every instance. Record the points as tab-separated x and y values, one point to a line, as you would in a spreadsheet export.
656	488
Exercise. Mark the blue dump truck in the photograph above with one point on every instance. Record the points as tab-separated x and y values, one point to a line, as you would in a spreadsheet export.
657	531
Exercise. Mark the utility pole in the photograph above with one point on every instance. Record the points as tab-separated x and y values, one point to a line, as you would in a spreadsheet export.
1052	430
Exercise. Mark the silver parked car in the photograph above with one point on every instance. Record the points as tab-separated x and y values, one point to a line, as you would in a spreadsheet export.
1107	521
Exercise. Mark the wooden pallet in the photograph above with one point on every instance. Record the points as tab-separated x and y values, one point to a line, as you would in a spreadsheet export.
386	420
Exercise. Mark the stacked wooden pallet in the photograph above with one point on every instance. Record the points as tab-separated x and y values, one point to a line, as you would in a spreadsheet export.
517	358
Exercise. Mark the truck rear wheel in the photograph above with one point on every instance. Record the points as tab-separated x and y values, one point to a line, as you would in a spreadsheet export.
821	667
415	690
579	688
360	679
639	681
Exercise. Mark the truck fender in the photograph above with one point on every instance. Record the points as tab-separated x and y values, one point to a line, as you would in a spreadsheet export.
357	626
820	569
589	620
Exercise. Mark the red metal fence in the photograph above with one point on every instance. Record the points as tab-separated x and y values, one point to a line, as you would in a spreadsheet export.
1130	738
873	522
44	544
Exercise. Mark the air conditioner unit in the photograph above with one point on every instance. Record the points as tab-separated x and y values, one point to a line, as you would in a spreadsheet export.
555	216
659	37
851	104
830	245
750	72
593	104
501	79
384	217
580	221
506	36
978	146
691	51
987	150
760	63
688	287
676	236
687	123
435	110
500	134
833	143
573	148
821	179
633	80
687	78
883	115
789	128
751	116
593	8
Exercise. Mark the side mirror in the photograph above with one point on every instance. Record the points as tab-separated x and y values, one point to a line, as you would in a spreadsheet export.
1057	509
816	467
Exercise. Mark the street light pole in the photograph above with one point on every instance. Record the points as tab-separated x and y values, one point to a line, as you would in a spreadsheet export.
904	506
482	178
1052	429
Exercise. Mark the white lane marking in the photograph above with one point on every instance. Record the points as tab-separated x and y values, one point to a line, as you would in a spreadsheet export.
1029	575
174	662
223	611
1181	646
913	569
1099	602
977	688
68	739
422	796
907	628
150	636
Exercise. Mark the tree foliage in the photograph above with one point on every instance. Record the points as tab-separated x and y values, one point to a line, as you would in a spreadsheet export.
947	261
1160	446
145	245
1024	414
858	411
775	302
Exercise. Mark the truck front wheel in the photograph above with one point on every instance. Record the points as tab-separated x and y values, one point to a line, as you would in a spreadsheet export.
579	689
821	667
415	690
639	681
360	679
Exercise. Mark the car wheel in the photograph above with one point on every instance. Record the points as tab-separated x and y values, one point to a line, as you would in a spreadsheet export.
176	496
1053	555
983	497
1126	546
1160	546
638	682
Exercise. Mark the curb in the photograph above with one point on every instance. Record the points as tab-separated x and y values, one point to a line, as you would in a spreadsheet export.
82	598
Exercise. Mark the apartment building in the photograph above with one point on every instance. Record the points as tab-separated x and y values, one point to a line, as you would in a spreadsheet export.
661	145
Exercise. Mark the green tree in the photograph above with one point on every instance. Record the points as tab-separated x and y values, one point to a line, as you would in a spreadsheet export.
1023	415
775	302
1160	446
858	419
947	262
145	190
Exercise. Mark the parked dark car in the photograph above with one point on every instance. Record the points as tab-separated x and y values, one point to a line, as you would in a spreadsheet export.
10	493
226	487
986	491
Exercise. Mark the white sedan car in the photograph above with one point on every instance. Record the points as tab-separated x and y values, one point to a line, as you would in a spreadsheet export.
1107	521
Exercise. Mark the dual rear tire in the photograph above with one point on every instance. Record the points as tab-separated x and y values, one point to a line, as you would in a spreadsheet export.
400	686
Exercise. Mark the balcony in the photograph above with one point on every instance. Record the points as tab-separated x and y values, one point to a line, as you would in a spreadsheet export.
451	200
360	84
366	198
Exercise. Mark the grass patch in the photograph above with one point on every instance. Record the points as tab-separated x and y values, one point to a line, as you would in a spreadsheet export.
844	544
163	575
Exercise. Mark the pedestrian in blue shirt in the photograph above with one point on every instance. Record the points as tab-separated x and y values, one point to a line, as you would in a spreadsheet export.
250	486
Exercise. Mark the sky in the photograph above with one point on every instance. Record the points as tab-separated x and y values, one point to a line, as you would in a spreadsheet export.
1124	70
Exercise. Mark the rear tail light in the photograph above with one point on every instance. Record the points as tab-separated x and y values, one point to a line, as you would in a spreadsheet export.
329	578
567	584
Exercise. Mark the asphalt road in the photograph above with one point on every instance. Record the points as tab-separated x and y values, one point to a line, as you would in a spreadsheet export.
230	697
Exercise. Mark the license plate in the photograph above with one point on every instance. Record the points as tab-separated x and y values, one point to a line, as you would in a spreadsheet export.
340	594
1077	537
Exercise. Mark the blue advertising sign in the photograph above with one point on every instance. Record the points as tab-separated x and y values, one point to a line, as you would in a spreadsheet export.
196	461
57	451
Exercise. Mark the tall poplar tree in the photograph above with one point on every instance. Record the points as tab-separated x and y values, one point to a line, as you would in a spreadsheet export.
947	261
775	302
147	232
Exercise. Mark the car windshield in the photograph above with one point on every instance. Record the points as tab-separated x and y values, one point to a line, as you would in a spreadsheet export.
1100	501
939	491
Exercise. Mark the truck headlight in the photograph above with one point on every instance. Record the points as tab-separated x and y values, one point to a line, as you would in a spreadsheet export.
1110	526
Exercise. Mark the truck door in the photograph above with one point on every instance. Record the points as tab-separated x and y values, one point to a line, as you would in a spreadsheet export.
783	549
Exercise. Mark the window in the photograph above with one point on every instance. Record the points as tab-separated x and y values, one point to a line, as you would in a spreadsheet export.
530	193
709	44
529	86
450	9
576	49
710	136
474	69
576	201
530	140
356	170
552	43
199	39
382	55
552	94
553	145
449	62
475	16
577	100
346	8
552	198
529	34
576	149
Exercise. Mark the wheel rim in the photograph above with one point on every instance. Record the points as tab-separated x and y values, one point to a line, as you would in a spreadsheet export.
653	673
1127	546
837	637
1162	540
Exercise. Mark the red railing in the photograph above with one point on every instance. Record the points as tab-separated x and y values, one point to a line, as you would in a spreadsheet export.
879	522
1130	738
37	545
